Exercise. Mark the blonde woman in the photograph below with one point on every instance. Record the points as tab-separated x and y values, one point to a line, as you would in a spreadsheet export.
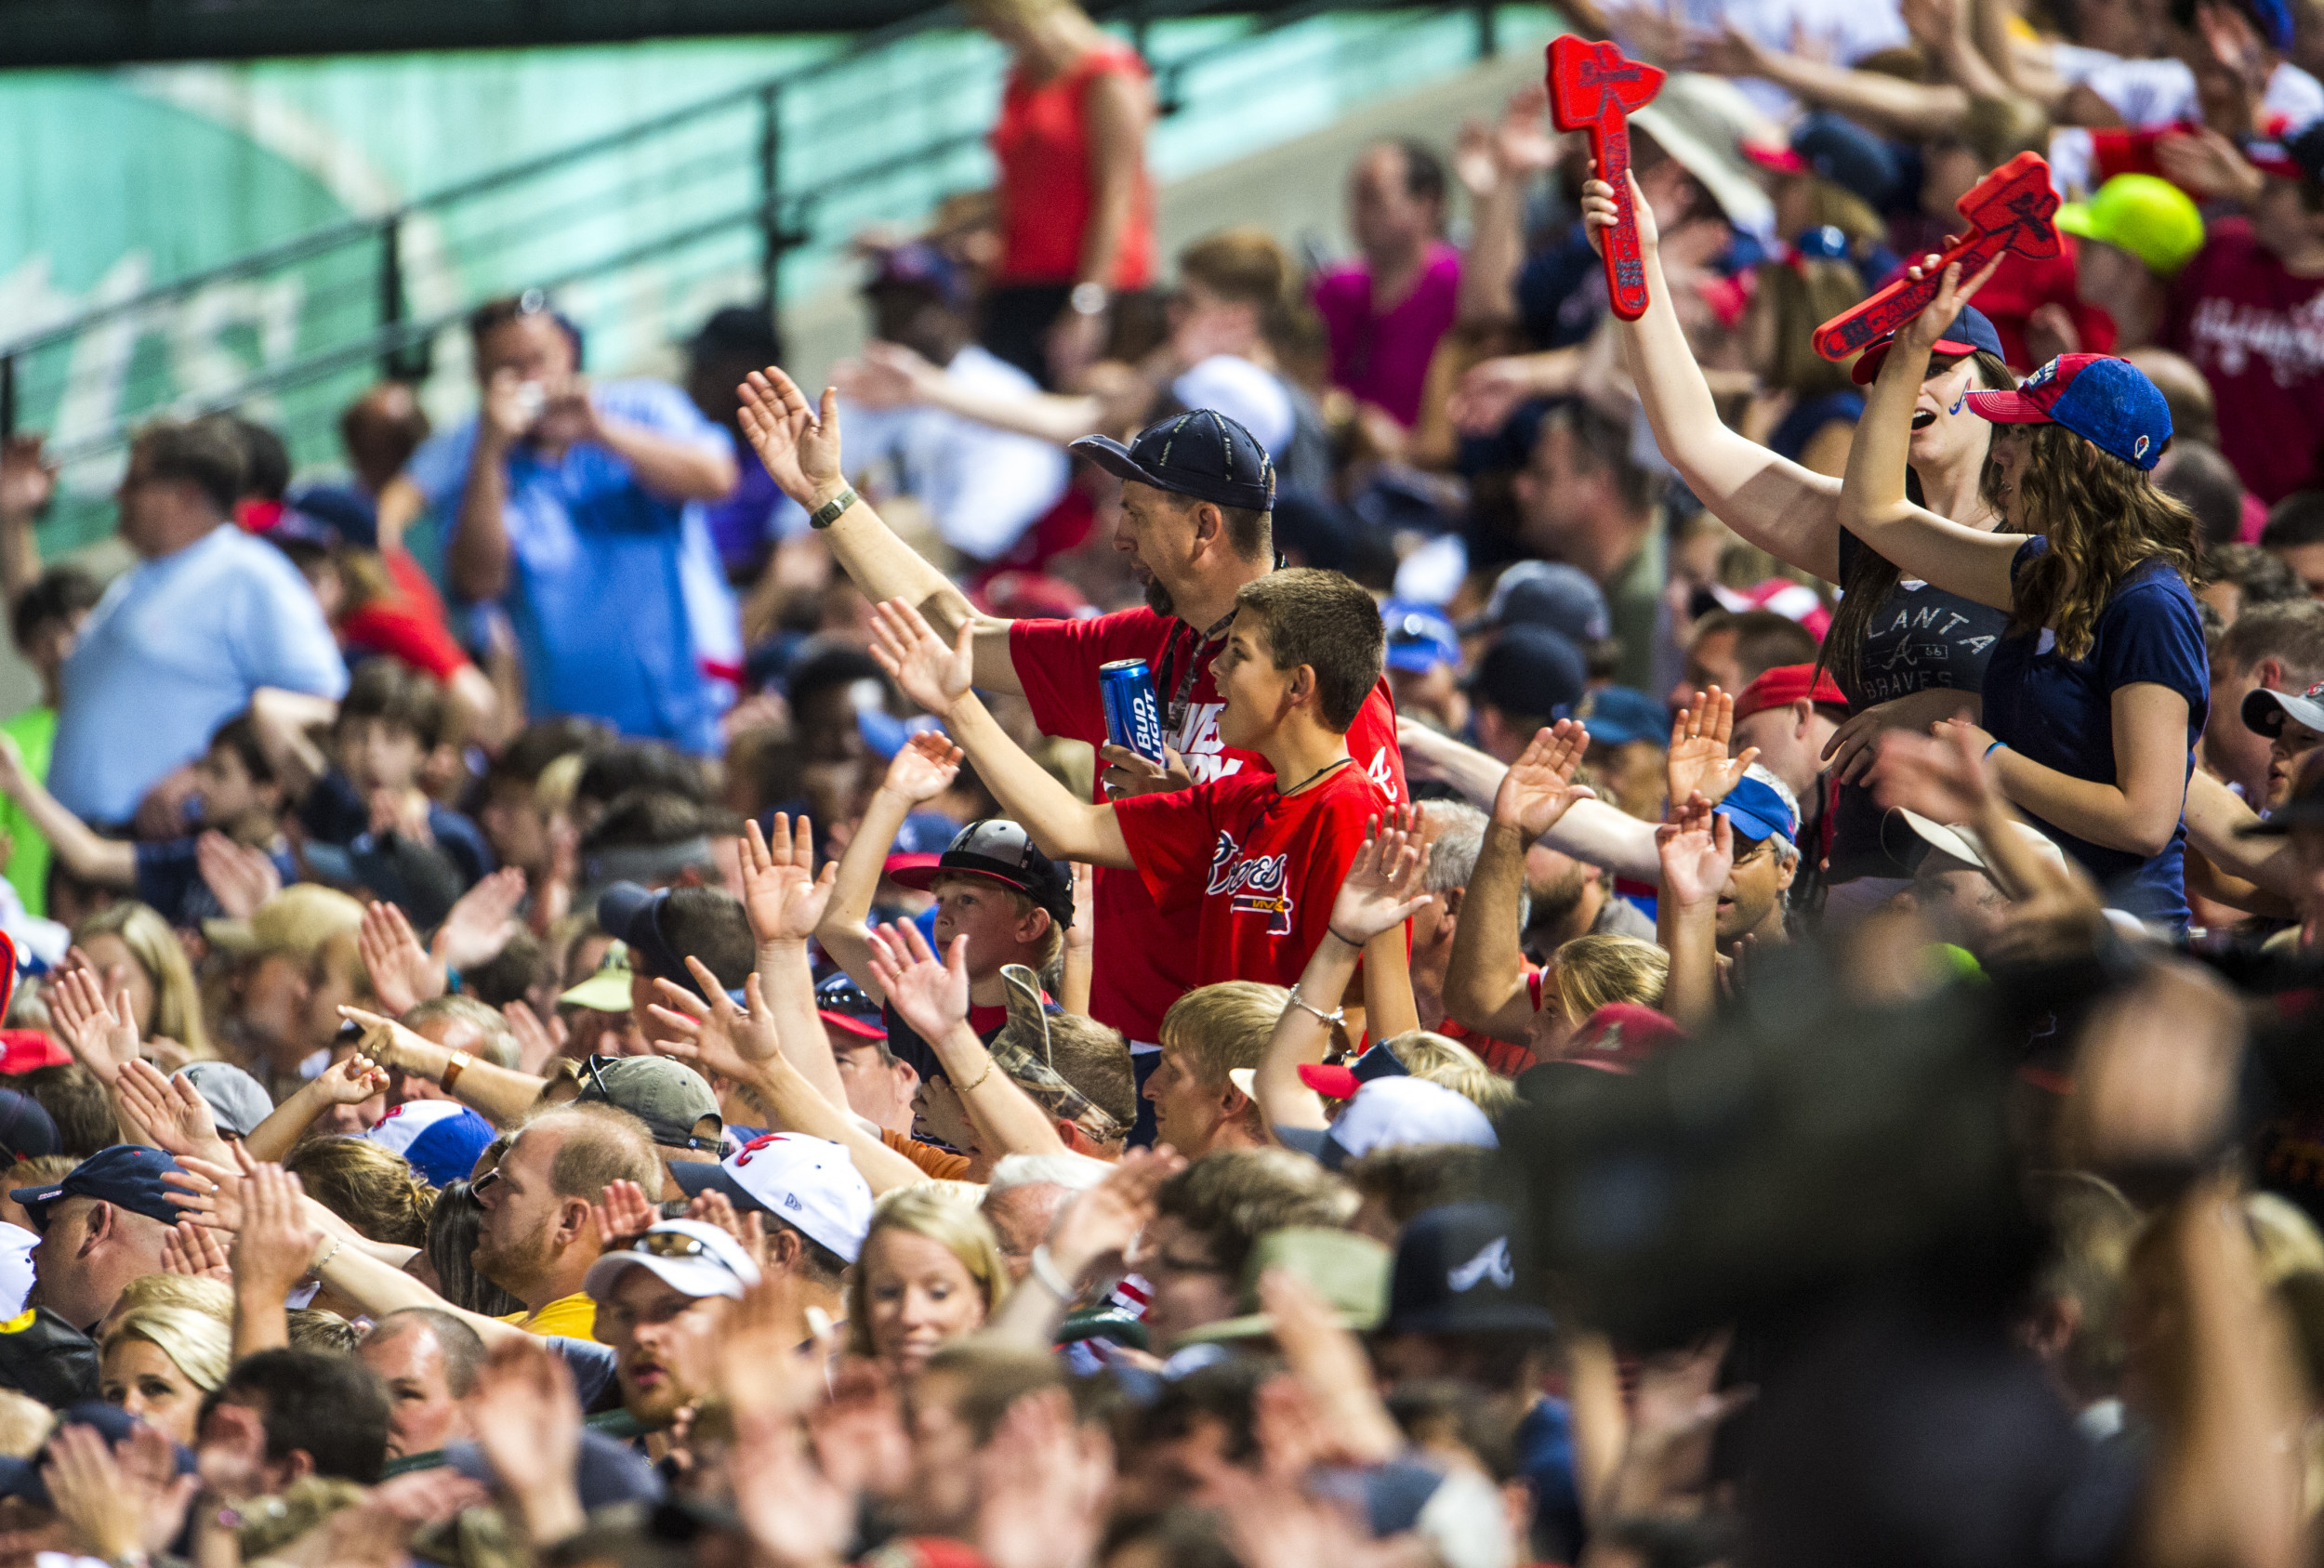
931	1272
1593	970
158	1361
132	948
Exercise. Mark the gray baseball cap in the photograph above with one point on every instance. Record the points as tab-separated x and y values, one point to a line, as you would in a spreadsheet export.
238	1101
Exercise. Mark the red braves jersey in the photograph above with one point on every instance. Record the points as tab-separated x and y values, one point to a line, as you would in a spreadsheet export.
1144	963
1253	872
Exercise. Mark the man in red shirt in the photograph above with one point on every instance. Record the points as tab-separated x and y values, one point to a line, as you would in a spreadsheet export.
2249	310
1246	866
1195	530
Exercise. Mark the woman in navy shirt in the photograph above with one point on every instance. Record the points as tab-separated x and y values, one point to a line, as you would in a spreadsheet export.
2094	699
1907	653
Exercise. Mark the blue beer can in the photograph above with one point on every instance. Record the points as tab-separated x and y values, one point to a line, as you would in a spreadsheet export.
1133	718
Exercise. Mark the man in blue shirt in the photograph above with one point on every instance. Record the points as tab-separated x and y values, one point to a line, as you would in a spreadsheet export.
182	640
581	510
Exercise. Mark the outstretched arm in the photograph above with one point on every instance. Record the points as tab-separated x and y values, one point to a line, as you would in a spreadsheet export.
502	1097
109	862
1484	980
1698	848
921	773
938	678
1872	502
1786	509
1380	895
932	995
799	444
785	902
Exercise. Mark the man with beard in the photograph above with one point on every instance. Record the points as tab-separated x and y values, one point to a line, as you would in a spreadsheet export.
539	1237
662	1303
1196	525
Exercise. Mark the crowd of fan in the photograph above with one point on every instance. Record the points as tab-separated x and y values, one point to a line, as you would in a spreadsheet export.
1716	961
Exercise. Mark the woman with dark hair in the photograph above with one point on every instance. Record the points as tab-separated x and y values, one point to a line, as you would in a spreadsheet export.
2094	698
453	1226
1907	653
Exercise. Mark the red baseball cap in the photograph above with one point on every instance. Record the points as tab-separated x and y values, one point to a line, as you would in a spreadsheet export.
1622	1037
1775	160
1786	684
24	1049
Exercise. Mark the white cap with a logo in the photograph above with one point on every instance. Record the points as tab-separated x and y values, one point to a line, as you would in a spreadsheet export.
808	1183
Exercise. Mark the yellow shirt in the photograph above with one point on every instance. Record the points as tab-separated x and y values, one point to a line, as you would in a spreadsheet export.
572	1317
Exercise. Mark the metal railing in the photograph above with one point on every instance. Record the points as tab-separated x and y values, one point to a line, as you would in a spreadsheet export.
712	198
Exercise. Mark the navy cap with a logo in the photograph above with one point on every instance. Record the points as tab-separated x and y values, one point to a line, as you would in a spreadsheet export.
1202	452
1457	1272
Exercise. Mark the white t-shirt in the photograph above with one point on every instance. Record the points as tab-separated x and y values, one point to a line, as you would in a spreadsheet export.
984	487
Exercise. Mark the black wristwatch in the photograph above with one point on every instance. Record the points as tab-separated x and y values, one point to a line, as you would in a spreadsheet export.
828	513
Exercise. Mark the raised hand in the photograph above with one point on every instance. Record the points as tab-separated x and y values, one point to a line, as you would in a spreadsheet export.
1942	776
28	480
209	1194
1042	1486
480	924
716	1037
351	1080
116	1512
1854	746
276	1245
1382	890
527	1421
1696	847
171	1110
924	768
242	877
101	1039
1099	1226
403	975
798	443
537	1043
1697	762
799	1514
931	993
624	1212
1599	214
195	1251
750	1231
1917	337
1540	785
782	894
918	660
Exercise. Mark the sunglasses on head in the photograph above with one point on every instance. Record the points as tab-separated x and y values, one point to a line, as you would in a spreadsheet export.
671	1244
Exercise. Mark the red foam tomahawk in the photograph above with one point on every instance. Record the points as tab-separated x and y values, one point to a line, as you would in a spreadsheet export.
1592	88
2012	209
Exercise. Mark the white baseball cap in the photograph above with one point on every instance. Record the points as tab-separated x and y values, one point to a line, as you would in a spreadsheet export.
686	1255
1390	1113
808	1183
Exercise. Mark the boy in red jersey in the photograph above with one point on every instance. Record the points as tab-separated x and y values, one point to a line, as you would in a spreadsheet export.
1247	865
1196	525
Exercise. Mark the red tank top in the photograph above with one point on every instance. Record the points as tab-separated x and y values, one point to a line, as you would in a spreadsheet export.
1042	145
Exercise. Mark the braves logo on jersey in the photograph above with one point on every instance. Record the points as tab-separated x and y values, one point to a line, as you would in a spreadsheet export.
1253	887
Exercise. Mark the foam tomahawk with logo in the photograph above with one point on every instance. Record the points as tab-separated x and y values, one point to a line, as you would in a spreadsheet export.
2012	209
1594	90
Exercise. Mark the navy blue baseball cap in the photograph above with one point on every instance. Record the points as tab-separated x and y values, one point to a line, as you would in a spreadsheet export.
849	1008
1420	638
1618	715
2107	402
918	265
1758	811
127	1174
1969	333
27	1131
632	915
1546	593
1201	452
1530	672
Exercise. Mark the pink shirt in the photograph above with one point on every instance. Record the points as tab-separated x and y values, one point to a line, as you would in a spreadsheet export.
1383	359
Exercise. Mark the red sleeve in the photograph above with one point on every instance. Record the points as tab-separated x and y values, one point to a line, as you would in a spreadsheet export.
1172	841
404	634
1057	664
1372	741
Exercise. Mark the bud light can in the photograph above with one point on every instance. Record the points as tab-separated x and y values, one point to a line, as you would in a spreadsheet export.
1133	718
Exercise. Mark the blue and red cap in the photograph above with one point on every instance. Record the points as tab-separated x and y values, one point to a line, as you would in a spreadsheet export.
2105	400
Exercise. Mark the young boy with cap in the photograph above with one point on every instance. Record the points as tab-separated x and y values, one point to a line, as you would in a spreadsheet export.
1251	861
1196	523
992	885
